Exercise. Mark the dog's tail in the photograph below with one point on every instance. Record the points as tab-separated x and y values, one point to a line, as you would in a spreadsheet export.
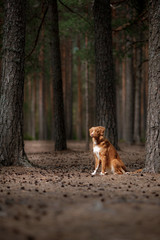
124	169
136	171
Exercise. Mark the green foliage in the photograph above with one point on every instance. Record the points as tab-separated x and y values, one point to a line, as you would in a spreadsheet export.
28	137
128	21
77	22
33	13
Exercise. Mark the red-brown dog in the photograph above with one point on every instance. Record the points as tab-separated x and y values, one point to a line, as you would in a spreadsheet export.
105	154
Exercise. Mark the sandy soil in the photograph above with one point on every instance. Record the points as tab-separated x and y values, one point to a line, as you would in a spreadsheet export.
62	201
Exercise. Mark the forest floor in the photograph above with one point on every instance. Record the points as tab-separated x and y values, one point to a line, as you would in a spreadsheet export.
62	201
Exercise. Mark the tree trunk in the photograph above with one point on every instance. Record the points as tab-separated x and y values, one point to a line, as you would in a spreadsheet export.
79	113
105	89
123	97
118	72
119	110
42	91
138	81
1	25
129	105
69	89
59	124
66	57
91	95
63	49
33	107
144	94
52	106
153	130
87	96
41	97
12	83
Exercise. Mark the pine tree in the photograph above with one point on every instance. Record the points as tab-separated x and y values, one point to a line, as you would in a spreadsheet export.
59	123
153	132
12	83
105	89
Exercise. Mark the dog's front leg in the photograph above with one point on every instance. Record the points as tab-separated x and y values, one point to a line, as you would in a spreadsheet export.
97	164
104	165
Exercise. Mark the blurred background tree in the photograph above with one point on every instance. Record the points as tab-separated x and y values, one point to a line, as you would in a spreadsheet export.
130	56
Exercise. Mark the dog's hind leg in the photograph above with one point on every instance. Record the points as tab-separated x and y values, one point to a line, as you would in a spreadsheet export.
117	167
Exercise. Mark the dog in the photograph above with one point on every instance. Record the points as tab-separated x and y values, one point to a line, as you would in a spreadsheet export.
105	153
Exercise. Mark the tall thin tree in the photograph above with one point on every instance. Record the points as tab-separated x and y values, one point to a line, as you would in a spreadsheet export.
59	123
137	100
42	90
87	95
153	118
79	95
105	90
12	83
129	97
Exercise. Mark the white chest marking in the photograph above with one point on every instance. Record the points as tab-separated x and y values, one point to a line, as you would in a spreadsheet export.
96	151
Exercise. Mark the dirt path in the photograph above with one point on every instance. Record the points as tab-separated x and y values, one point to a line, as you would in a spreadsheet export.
64	202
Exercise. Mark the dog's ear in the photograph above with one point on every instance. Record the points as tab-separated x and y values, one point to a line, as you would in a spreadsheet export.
102	130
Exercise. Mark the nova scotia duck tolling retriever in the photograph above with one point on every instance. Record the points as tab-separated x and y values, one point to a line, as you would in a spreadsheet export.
105	153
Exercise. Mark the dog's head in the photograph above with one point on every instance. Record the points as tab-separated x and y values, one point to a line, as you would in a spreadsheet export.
96	132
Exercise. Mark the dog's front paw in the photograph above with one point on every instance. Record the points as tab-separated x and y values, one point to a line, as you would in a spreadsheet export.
102	174
93	173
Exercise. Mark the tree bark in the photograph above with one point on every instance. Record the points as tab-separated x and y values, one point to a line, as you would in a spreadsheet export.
144	94
66	57
1	25
59	124
42	92
33	108
153	130
129	104
79	113
138	82
87	96
12	83
123	97
105	86
69	89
